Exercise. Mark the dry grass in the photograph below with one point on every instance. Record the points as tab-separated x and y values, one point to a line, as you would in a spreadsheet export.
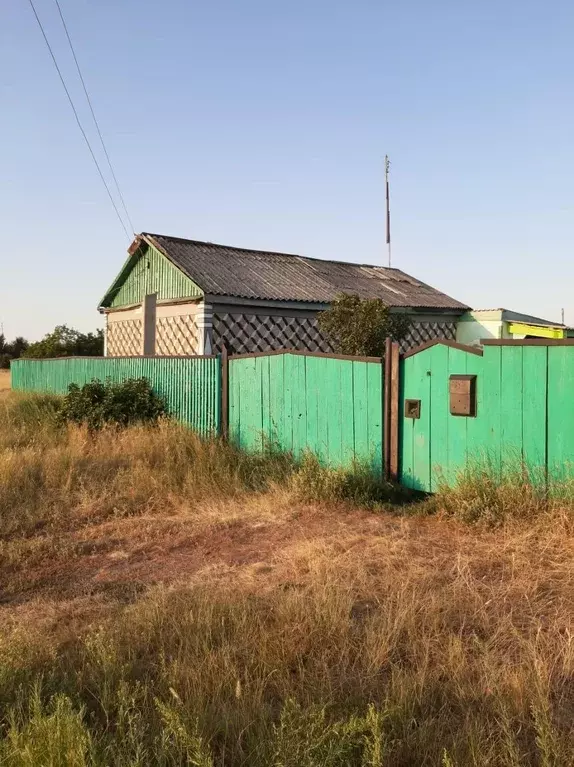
4	383
169	602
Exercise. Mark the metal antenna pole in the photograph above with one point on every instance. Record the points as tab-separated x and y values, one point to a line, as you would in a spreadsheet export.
387	167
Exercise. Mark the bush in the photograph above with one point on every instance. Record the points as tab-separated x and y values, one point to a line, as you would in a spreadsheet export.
98	403
360	326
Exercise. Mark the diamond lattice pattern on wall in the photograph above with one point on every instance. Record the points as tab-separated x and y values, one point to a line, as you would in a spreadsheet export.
178	335
124	338
421	332
248	333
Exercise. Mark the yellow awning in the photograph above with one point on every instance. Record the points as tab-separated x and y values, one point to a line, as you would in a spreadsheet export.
540	331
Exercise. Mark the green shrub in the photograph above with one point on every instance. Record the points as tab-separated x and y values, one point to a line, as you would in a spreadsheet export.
98	403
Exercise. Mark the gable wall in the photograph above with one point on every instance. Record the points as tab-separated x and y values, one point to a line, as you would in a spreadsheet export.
154	273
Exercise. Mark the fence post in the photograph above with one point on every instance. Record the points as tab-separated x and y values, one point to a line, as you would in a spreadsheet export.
224	393
387	410
394	412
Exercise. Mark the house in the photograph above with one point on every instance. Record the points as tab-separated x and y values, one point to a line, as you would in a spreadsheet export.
181	297
479	324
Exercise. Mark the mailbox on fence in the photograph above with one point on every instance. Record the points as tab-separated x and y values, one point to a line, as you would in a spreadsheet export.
462	395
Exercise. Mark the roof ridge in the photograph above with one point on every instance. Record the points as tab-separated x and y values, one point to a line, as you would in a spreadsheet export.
221	245
274	253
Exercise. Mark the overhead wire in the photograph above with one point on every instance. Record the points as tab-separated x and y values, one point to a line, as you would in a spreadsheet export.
88	99
83	132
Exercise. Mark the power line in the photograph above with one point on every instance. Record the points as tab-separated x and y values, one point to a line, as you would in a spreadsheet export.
83	132
94	115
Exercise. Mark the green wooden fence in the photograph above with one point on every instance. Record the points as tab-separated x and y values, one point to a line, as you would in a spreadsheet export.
331	406
334	407
524	418
191	386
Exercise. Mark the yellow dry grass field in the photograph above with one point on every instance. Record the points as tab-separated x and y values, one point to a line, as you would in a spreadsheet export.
168	601
4	382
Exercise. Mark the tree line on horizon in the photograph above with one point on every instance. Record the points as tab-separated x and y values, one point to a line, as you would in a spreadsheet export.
61	342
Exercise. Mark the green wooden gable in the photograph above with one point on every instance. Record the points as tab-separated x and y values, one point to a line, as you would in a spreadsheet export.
149	271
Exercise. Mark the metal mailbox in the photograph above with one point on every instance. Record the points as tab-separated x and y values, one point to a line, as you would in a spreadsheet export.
462	395
412	408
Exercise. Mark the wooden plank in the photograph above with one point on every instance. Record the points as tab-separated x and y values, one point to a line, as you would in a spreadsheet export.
346	410
234	402
490	406
421	426
394	427
312	402
476	427
333	405
534	416
387	411
360	412
288	385
277	402
511	408
266	424
298	405
375	414
440	415
406	389
456	436
560	413
224	394
323	405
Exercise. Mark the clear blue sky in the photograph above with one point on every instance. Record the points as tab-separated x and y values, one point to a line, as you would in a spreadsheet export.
264	124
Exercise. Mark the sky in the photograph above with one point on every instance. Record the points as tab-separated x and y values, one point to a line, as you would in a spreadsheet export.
264	124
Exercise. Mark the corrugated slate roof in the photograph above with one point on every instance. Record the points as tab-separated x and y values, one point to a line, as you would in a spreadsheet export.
227	271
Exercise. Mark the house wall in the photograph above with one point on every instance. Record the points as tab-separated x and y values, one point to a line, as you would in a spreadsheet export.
124	333
152	272
248	329
195	327
177	330
473	327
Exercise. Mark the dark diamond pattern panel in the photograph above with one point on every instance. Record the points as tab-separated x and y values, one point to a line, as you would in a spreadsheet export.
248	333
421	332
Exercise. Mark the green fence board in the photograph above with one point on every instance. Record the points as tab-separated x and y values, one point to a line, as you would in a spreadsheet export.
457	425
347	416
560	411
326	405
492	385
312	398
476	428
276	418
360	412
438	363
191	386
421	426
511	407
534	415
375	413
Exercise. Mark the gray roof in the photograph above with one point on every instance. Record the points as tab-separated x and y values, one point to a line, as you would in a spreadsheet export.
221	270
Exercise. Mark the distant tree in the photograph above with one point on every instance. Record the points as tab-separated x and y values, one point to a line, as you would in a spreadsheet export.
11	351
67	342
359	326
